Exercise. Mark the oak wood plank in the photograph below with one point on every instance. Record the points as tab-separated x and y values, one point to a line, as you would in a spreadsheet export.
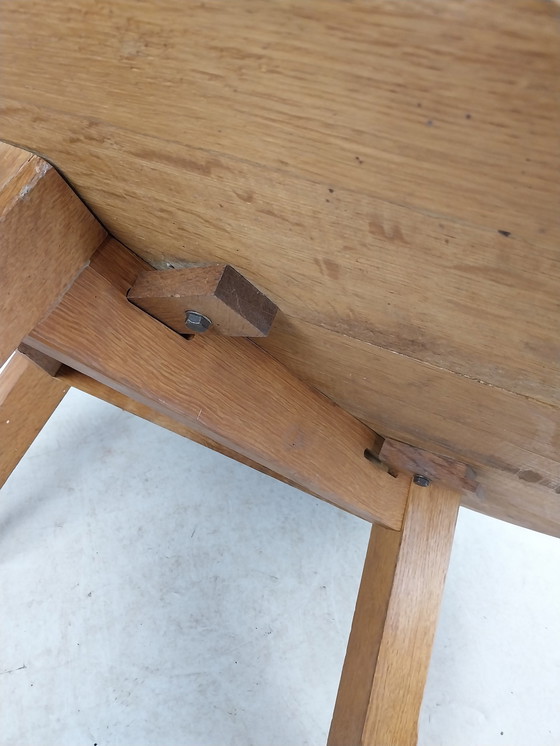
427	406
430	153
430	269
427	285
47	236
71	377
498	495
421	404
228	389
28	396
460	122
505	497
394	624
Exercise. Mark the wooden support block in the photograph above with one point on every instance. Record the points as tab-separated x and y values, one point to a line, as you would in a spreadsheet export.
28	396
48	364
394	624
404	457
229	390
218	291
47	236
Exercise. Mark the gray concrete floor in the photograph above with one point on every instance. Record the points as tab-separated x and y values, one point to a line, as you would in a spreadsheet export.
157	594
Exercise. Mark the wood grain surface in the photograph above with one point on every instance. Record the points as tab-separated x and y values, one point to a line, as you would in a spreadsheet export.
88	385
394	624
28	397
498	495
427	406
228	389
263	108
385	172
483	305
46	235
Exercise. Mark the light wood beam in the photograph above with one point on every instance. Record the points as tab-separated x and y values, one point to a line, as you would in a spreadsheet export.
227	389
47	236
28	396
394	624
499	495
88	385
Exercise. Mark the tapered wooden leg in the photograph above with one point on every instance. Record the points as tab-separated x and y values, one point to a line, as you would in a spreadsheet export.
28	396
390	644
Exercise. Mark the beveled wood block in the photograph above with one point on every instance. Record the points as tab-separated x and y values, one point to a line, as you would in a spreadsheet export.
234	305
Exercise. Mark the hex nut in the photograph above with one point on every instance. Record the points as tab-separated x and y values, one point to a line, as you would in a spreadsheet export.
197	322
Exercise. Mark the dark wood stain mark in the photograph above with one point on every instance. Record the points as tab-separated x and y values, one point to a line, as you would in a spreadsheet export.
391	232
528	475
203	168
332	269
273	214
245	196
328	267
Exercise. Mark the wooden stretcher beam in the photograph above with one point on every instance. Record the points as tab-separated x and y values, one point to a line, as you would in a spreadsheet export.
498	495
394	624
88	385
227	389
28	396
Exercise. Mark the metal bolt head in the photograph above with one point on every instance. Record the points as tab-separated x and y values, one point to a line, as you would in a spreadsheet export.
421	480
197	322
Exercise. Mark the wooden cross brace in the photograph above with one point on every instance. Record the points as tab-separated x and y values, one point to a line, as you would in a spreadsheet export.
64	286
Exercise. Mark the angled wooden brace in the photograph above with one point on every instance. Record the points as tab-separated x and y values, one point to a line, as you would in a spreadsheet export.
228	389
